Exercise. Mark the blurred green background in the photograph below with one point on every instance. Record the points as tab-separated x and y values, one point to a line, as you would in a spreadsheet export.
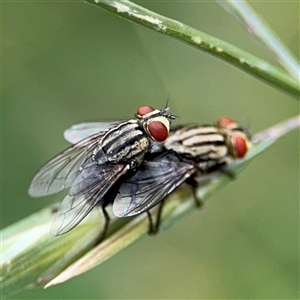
67	62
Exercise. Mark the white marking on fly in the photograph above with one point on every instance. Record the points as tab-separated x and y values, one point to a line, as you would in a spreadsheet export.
127	149
185	134
219	49
131	125
139	147
196	140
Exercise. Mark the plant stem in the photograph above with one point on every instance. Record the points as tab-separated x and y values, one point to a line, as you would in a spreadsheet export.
258	28
202	41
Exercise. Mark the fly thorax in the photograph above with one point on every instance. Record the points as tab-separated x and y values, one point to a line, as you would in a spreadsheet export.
124	142
134	150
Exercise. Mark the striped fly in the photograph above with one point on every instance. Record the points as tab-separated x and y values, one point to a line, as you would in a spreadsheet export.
94	165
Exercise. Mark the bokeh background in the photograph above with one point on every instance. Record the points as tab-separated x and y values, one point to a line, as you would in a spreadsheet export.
67	62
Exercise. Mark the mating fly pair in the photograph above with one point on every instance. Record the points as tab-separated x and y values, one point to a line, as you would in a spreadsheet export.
94	167
149	174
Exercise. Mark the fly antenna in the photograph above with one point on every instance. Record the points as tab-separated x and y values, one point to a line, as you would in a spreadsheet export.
172	117
167	103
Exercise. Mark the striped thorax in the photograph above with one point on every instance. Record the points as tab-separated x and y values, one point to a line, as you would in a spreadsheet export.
130	140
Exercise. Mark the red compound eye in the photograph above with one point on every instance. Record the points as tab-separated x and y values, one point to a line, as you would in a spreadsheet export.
240	146
143	110
158	131
225	122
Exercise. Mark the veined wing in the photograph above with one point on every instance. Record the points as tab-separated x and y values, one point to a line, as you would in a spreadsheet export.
88	189
60	172
154	180
81	131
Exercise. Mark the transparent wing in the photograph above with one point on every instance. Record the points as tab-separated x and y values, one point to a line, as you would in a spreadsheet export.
60	172
154	180
80	131
88	189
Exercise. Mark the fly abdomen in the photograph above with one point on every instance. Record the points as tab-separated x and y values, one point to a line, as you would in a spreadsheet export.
199	142
208	152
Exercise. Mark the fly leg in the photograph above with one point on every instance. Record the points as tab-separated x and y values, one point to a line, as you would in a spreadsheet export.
231	175
154	228
158	216
105	226
151	230
222	168
194	184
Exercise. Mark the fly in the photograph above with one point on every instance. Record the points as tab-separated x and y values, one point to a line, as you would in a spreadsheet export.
95	164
